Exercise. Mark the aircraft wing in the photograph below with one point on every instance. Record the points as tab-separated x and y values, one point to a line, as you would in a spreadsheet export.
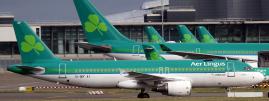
192	55
147	77
95	48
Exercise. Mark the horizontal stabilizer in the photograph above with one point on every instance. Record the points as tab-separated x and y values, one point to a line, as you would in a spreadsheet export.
95	48
34	70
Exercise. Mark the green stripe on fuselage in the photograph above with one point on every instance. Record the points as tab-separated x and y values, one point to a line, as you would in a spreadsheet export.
114	67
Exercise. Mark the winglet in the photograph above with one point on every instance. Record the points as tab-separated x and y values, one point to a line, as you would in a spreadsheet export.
151	53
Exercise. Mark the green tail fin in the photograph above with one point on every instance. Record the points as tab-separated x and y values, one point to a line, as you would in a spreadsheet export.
97	28
185	35
205	36
31	48
151	53
153	35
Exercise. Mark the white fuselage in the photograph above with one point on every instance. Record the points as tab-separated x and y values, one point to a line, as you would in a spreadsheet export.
228	79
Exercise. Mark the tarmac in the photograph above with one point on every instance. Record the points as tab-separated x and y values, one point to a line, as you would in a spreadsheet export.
11	81
55	96
53	91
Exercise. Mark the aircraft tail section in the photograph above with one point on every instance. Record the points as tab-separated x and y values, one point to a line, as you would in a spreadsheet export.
151	53
205	36
153	35
186	35
95	25
31	48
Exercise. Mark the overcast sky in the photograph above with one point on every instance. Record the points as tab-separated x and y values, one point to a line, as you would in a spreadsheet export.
49	10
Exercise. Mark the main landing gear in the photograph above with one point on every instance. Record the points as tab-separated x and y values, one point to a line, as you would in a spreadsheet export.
228	89
142	94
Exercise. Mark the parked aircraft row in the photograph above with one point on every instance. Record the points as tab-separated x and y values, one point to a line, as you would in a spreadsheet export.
185	35
107	39
172	68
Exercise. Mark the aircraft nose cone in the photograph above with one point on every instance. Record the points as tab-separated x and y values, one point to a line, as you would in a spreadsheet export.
260	77
266	78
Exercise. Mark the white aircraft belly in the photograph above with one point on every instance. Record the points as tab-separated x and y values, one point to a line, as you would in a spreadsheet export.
198	79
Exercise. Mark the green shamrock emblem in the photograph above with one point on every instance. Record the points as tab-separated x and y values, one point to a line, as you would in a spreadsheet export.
94	23
155	38
187	38
30	44
206	38
154	55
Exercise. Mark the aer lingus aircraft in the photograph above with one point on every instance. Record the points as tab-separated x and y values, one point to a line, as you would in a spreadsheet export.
152	54
153	35
204	36
174	78
104	37
185	35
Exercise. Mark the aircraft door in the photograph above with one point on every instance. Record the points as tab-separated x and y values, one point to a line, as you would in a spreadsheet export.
161	71
198	50
166	70
136	50
230	69
62	70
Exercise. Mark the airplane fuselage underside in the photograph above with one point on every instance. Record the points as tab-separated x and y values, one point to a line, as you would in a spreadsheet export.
228	79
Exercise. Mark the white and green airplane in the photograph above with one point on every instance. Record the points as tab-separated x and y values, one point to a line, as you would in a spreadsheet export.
173	78
103	37
153	35
152	54
186	35
204	36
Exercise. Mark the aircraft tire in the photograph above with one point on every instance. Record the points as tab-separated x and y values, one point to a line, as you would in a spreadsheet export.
143	95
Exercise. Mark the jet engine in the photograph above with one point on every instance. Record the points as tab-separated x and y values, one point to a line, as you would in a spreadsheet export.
175	88
129	84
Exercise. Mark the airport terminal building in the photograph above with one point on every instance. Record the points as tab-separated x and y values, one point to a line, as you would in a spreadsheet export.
234	21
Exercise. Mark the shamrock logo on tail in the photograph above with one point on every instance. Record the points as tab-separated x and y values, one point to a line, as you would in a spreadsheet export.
206	38
155	38
154	55
30	44
94	23
187	38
